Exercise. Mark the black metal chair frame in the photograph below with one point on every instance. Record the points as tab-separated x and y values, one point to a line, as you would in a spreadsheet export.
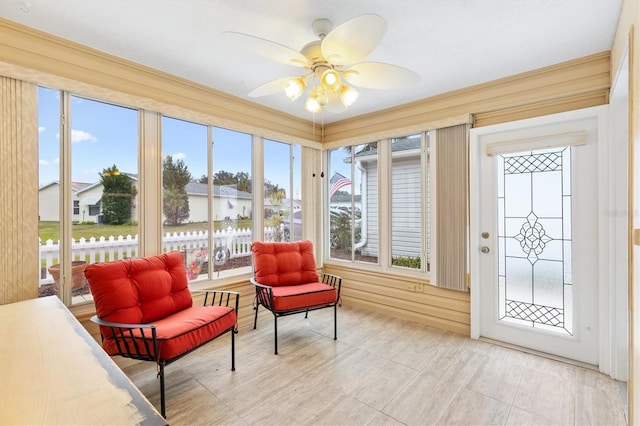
128	337
264	297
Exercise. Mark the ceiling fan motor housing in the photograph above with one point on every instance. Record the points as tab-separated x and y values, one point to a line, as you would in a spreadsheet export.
317	63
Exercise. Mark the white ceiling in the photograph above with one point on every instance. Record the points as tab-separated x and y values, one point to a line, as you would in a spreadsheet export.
451	44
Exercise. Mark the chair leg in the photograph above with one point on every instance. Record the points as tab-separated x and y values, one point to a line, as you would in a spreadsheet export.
255	318
306	314
335	322
233	349
275	332
161	376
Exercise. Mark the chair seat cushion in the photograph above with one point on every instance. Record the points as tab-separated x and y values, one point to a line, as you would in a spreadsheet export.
182	331
286	298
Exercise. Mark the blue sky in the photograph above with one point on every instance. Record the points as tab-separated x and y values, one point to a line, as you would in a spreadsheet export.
104	135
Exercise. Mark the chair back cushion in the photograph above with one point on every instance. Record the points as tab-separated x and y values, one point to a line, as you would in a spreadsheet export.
280	264
139	291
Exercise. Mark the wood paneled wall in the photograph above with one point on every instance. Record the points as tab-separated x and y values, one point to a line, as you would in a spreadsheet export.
567	86
19	260
389	294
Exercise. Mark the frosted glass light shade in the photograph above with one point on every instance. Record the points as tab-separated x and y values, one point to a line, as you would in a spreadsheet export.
330	80
348	95
294	87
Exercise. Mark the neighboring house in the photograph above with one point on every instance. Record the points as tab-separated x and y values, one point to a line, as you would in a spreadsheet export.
283	206
87	202
91	201
297	205
405	176
343	202
86	198
49	201
228	202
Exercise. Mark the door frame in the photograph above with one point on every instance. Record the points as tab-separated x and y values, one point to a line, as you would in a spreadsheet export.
605	221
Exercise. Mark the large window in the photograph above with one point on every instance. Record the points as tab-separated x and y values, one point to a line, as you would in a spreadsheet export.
353	203
49	188
185	194
282	192
406	202
356	190
232	201
92	161
90	186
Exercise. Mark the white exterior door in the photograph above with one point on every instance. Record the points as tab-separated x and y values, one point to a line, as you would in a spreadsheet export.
534	242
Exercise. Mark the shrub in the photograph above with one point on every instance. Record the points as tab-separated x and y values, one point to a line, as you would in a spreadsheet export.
406	262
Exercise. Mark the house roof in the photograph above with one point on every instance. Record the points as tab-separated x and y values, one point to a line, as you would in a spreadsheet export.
344	198
197	188
398	145
75	186
133	176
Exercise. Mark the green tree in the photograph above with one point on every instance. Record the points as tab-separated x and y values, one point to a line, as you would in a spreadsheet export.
175	201
276	194
240	180
117	196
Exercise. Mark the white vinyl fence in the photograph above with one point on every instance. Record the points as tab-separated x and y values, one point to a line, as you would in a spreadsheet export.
104	249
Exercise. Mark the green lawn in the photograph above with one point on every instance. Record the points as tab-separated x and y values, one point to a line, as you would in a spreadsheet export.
51	230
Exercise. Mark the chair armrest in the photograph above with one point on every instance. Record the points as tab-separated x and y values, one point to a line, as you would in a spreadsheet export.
256	283
119	325
264	294
132	340
220	298
334	281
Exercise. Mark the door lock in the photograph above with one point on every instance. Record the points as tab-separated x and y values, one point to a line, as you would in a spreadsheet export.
484	249
485	235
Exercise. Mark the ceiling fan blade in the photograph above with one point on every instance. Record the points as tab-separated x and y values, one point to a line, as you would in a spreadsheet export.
378	75
269	88
266	48
353	40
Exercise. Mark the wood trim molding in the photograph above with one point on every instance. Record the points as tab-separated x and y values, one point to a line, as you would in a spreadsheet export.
554	106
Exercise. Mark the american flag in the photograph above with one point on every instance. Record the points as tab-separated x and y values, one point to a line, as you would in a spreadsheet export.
337	181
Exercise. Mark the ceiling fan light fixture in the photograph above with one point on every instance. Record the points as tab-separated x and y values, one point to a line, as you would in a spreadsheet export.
330	80
312	105
320	95
348	95
294	87
333	64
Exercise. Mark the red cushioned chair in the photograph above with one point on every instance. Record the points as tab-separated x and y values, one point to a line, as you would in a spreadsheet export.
287	283
145	311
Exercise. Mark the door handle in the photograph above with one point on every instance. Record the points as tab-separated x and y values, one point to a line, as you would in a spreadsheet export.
484	249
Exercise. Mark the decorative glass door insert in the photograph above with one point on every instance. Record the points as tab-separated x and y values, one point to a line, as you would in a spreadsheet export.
534	203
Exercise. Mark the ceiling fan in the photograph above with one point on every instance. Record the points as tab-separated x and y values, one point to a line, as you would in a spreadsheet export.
331	64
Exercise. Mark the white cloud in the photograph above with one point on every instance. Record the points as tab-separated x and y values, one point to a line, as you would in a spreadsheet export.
41	129
56	160
43	162
81	136
176	156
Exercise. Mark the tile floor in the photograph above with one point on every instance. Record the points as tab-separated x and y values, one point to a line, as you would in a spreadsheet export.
380	371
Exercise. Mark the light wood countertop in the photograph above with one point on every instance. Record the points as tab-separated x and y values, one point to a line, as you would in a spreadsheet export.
53	372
